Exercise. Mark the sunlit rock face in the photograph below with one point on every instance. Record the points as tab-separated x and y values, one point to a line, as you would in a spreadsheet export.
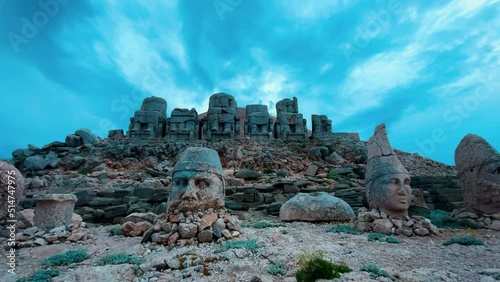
478	169
387	182
197	181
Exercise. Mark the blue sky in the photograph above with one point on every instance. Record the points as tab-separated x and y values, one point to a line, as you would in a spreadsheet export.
428	69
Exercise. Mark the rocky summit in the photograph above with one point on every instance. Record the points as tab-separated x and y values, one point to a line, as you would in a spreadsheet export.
235	194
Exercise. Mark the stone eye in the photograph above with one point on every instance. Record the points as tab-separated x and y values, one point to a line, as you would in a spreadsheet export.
407	181
202	183
395	181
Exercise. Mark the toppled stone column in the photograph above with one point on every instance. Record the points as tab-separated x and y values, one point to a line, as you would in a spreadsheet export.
11	189
183	124
53	210
290	124
222	121
258	123
150	121
196	210
478	169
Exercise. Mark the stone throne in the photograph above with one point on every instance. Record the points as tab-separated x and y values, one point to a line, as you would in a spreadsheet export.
221	121
321	127
258	123
150	121
290	124
183	124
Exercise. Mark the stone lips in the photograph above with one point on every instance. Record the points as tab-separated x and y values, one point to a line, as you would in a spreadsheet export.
4	187
315	207
478	169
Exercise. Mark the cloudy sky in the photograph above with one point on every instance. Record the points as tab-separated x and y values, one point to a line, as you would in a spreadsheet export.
429	69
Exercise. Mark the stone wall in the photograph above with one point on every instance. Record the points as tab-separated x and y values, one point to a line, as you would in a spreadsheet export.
443	192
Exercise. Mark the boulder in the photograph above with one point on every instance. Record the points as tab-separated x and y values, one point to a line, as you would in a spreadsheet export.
247	174
315	207
11	184
87	136
73	140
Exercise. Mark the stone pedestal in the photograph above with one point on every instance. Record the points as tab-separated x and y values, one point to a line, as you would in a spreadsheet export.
53	210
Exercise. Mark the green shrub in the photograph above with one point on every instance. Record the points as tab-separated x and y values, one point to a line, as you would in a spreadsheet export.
466	241
83	171
374	236
66	258
119	258
40	276
332	176
267	171
250	245
277	268
375	271
115	230
268	180
314	266
443	219
344	229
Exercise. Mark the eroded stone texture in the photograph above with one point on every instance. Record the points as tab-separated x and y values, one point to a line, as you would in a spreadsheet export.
197	181
183	124
290	124
321	127
387	182
116	134
53	210
478	169
258	124
150	121
316	207
222	121
12	189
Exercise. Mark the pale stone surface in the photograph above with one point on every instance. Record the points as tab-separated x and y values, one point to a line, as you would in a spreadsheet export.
387	182
315	207
53	210
11	189
478	169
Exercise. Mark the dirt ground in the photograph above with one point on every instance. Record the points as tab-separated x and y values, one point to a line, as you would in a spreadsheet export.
413	259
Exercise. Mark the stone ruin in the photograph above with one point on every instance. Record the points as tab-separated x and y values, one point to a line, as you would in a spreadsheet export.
150	121
478	169
388	193
321	127
196	211
183	124
221	122
258	123
290	124
54	210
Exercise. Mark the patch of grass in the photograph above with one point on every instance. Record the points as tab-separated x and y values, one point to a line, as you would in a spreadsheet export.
268	181
115	230
496	276
284	231
40	276
344	229
250	245
83	171
443	219
119	258
267	171
265	224
314	266
277	268
333	176
374	236
376	272
66	258
466	241
327	182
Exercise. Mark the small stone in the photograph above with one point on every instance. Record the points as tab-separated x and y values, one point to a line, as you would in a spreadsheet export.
495	225
187	230
226	234
383	226
404	231
207	220
173	239
40	242
235	234
409	223
77	236
205	236
176	217
173	263
421	232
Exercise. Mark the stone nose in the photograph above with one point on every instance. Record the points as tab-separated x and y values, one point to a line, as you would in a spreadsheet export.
191	191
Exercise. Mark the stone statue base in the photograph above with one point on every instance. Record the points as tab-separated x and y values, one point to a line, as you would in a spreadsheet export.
193	227
377	221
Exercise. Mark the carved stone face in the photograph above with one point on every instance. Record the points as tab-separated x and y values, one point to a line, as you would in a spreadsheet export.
193	190
392	194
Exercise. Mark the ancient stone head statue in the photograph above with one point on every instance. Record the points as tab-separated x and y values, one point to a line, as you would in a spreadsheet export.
478	169
387	182
197	181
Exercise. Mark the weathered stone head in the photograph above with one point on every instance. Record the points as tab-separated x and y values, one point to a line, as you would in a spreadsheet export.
387	182
11	188
478	169
197	181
